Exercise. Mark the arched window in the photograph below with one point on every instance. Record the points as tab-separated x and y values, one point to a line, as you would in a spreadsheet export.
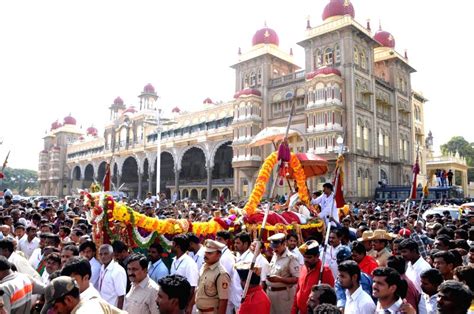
359	134
356	55
246	81
380	141
363	60
253	79
386	144
259	76
318	62
328	56
358	91
365	95
366	183
337	54
366	135
359	182
383	177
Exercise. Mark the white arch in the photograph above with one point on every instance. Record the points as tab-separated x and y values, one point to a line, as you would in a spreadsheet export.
214	149
199	146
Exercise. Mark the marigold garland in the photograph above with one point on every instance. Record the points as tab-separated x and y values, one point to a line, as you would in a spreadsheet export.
264	176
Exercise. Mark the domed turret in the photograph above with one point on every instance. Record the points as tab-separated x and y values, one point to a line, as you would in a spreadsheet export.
176	110
130	109
247	92
338	8
55	125
149	88
207	101
118	101
323	71
69	120
92	131
265	35
384	38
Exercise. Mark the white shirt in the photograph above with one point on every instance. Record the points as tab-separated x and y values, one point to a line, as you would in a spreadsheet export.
228	261
331	259
95	269
414	271
186	267
28	247
359	302
45	277
261	262
427	304
326	210
296	252
23	266
112	282
36	258
198	257
90	293
393	309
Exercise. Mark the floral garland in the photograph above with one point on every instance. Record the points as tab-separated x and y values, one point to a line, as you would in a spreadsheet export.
279	227
142	242
264	176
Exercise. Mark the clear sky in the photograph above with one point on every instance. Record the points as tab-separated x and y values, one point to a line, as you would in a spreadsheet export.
59	57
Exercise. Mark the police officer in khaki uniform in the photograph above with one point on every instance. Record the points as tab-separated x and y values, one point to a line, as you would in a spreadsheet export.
214	282
283	275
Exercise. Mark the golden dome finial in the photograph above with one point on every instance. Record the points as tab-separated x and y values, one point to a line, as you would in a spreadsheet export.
347	3
380	25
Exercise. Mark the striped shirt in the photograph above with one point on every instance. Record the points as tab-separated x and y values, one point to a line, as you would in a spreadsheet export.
18	289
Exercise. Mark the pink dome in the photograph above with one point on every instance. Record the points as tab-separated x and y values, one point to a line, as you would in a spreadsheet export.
44	151
55	125
208	101
56	147
69	120
149	88
338	8
92	131
130	109
385	38
323	71
118	101
81	138
247	92
265	36
176	110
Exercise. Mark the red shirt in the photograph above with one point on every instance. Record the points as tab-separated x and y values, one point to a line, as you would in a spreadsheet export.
256	301
306	280
368	264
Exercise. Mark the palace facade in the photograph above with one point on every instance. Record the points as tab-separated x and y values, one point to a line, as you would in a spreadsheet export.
354	84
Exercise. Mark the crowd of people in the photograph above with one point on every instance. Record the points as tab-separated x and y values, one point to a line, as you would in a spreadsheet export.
443	177
378	260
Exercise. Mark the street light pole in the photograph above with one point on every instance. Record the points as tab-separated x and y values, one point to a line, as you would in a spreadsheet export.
158	150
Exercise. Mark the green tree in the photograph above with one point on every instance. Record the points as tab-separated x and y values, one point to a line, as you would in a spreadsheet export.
20	181
465	149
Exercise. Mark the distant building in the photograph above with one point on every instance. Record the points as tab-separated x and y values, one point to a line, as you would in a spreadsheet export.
354	84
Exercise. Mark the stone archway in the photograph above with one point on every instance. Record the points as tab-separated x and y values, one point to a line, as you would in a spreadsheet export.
130	177
215	195
101	172
88	176
76	178
166	171
194	195
185	193
193	166
223	162
203	194
227	194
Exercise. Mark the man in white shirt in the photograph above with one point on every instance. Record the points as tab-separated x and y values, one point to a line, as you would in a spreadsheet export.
242	244
112	278
328	205
196	250
357	300
22	265
79	268
227	261
184	265
431	279
387	288
416	264
88	250
29	243
292	243
334	242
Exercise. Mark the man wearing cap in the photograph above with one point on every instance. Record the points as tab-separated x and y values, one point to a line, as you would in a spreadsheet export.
283	275
62	295
213	289
380	251
256	300
309	276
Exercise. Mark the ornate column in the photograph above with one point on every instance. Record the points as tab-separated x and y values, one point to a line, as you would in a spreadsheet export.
149	179
209	181
139	196
176	182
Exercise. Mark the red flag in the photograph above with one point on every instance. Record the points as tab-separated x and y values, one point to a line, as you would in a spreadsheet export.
416	171
106	182
339	182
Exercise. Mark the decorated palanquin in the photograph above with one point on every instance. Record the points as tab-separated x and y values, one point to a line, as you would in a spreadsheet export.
113	220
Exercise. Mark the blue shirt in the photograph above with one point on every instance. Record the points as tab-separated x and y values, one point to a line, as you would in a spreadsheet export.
157	270
365	282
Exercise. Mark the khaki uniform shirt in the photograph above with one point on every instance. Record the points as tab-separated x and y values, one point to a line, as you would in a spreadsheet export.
213	285
381	256
286	266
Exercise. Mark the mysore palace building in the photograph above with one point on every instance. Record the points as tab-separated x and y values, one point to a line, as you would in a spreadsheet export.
354	84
